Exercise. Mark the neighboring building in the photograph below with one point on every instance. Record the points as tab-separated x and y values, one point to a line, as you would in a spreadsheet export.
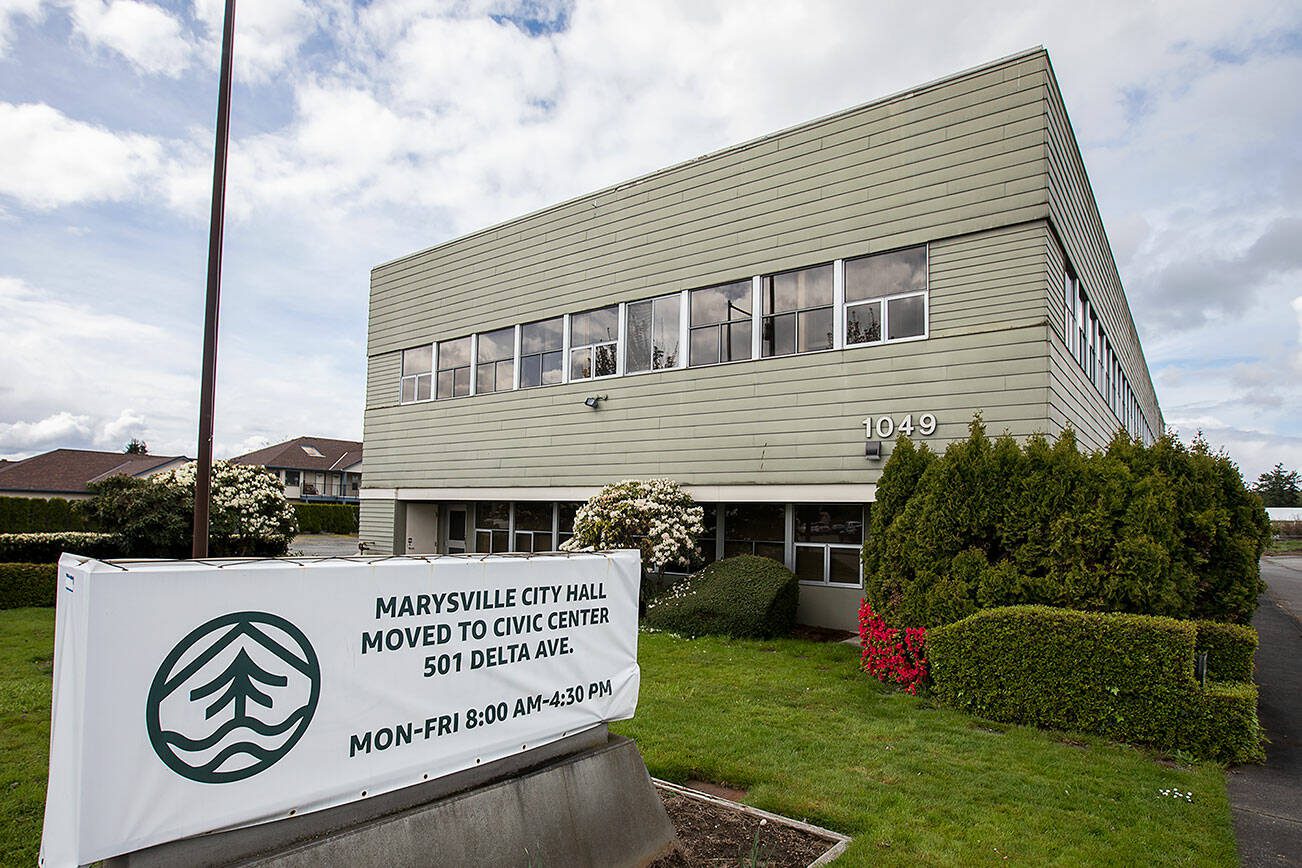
68	472
757	324
313	469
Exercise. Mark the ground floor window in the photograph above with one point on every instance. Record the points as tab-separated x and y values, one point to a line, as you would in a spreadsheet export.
522	526
819	542
533	527
828	540
565	521
755	529
493	527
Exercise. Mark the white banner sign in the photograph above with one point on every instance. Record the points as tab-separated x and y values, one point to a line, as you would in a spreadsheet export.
190	698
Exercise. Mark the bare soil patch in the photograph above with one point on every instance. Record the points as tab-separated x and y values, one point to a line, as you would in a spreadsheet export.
712	835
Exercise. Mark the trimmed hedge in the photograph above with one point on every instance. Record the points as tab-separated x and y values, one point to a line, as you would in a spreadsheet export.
1229	648
327	517
23	585
1126	677
41	515
743	597
45	548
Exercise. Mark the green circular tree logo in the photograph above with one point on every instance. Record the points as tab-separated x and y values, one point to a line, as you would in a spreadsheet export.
233	697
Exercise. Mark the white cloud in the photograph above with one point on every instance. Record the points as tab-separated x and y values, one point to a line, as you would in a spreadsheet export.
395	124
268	34
148	37
69	371
120	431
65	430
59	430
52	160
11	11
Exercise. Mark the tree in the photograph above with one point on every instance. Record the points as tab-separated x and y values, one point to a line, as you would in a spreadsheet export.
1160	529
249	514
137	447
1279	487
153	520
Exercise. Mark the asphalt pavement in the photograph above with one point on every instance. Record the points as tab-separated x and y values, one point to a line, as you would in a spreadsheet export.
1266	800
314	545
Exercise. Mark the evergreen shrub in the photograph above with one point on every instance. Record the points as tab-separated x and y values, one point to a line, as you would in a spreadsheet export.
327	517
45	548
41	515
23	585
743	597
1126	677
1162	529
1229	647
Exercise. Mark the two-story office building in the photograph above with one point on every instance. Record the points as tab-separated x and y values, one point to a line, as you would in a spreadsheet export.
758	324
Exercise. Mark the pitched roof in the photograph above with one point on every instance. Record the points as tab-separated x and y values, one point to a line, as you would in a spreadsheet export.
71	470
306	453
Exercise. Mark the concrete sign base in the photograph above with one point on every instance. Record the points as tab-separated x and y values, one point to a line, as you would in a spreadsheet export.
586	800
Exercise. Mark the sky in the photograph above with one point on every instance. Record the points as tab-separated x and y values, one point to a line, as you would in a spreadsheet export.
364	131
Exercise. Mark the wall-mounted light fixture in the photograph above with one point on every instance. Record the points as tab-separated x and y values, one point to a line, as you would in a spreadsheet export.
872	450
593	400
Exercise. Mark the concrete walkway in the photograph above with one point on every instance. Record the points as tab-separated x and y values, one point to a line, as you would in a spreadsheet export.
1267	800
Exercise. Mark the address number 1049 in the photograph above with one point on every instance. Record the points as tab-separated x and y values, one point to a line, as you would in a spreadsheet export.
884	427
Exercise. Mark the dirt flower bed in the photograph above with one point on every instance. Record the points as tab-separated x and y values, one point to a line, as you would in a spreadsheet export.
713	834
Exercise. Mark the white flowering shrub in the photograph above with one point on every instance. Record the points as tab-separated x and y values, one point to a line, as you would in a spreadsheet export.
654	515
248	514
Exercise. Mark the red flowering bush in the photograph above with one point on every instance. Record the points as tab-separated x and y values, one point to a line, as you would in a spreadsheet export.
892	655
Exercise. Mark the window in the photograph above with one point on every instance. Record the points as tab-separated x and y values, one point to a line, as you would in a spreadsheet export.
311	451
493	527
565	521
720	323
1069	288
454	368
542	351
1091	344
755	529
594	343
292	477
797	311
1082	324
533	527
885	295
417	373
829	537
653	334
495	362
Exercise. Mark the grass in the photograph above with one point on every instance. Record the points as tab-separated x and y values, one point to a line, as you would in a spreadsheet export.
26	646
1284	547
795	724
810	737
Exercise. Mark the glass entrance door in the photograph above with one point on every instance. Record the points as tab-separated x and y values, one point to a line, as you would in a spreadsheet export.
456	535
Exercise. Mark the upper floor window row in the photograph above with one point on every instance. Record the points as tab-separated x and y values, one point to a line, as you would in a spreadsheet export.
1088	342
846	303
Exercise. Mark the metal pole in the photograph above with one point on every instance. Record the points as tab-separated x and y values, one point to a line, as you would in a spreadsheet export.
208	387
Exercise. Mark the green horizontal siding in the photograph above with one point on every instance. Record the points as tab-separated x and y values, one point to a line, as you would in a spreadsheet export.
1075	215
964	156
789	420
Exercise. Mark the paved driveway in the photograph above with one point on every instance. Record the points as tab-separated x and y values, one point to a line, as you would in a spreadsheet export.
1267	800
324	544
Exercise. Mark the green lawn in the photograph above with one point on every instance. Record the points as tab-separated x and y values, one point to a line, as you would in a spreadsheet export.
798	726
26	646
1284	547
809	736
